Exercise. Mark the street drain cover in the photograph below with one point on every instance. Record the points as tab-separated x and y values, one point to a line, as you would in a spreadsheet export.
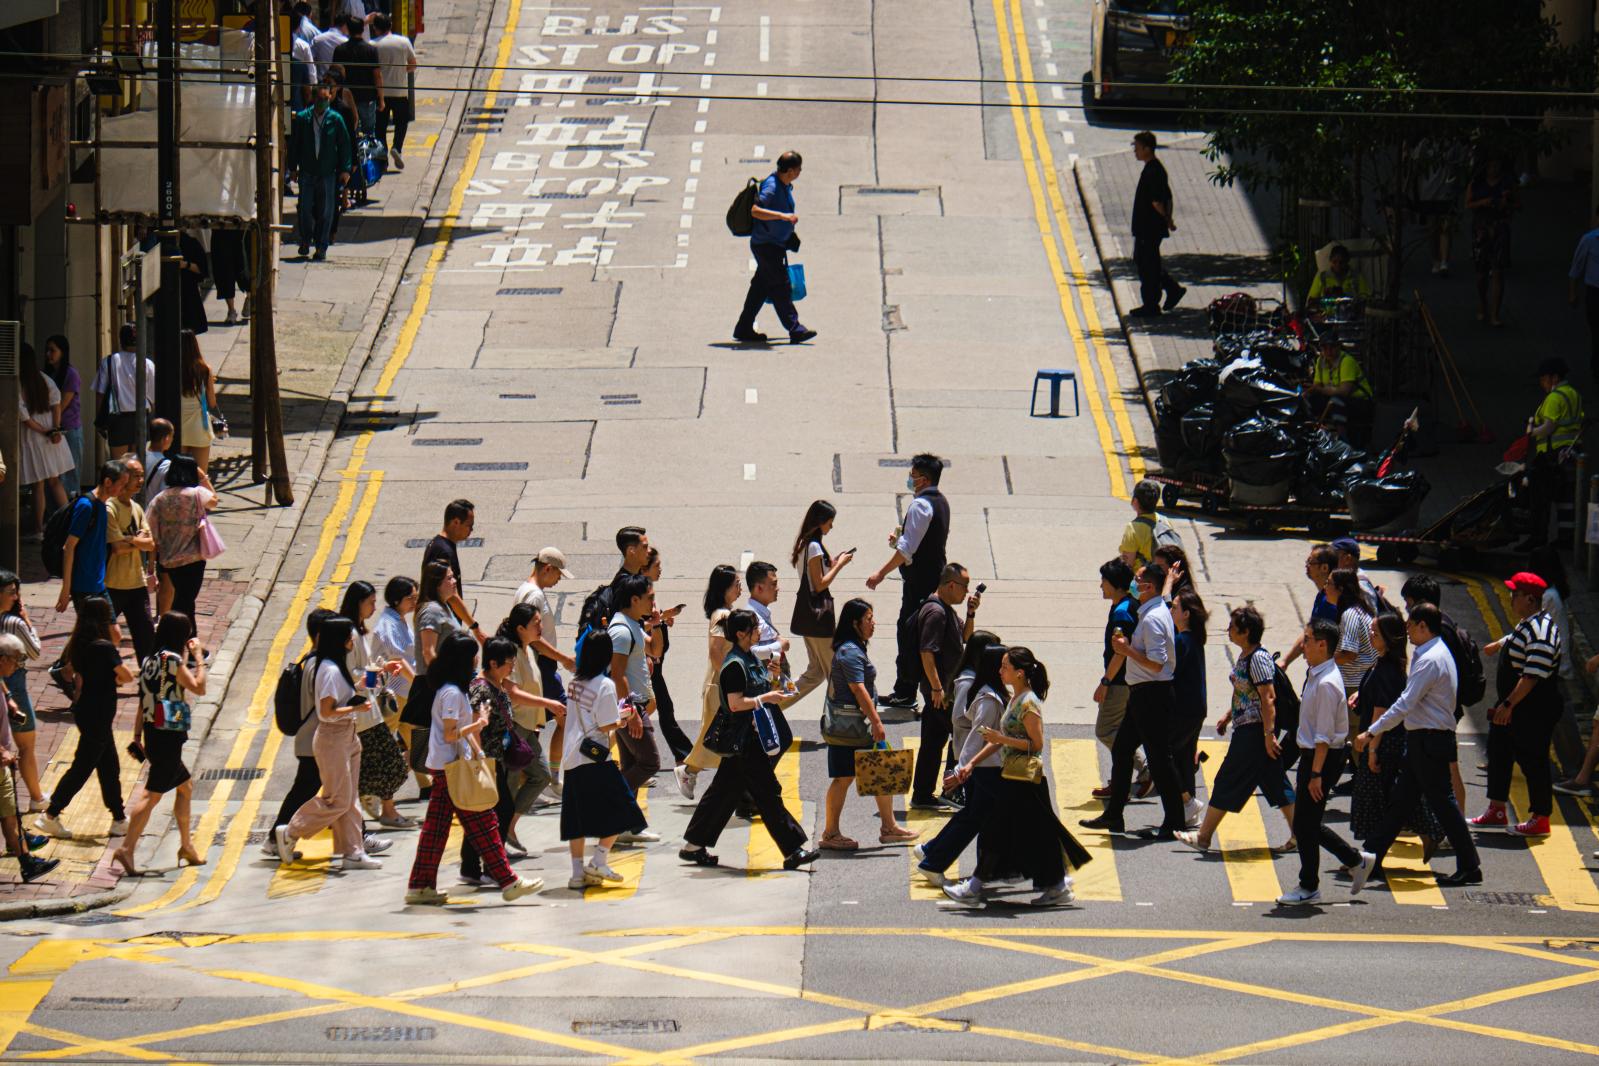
90	918
380	1033
233	773
1511	899
627	1027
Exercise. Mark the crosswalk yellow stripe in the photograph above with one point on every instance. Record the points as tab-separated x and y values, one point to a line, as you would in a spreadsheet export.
927	823
86	819
762	855
630	864
1560	861
306	876
1421	890
1245	847
1075	765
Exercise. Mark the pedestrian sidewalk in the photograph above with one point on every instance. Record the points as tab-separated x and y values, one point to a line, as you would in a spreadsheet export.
327	319
1223	244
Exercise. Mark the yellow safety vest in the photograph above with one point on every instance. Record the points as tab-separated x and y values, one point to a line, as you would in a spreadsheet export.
1348	370
1563	407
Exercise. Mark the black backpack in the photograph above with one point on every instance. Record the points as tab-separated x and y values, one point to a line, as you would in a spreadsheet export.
595	615
1287	702
1471	678
287	713
741	216
53	547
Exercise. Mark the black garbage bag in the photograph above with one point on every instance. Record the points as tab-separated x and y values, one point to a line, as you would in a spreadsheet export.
1175	457
1282	356
1277	468
1329	463
1194	384
1255	437
1229	346
1200	433
1376	504
1245	386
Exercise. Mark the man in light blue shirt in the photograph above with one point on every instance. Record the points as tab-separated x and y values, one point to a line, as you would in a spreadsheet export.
1427	709
770	242
1151	656
1584	277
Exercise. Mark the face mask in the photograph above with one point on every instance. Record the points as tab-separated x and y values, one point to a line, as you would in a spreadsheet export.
910	483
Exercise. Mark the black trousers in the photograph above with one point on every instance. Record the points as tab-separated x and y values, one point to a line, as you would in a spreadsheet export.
936	730
134	606
1428	755
1308	813
398	110
504	809
769	283
749	772
908	673
1525	742
95	755
186	581
677	741
1185	750
1543	486
963	827
1590	304
307	783
1148	724
1152	277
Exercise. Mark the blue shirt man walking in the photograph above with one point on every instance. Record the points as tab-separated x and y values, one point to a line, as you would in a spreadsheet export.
771	240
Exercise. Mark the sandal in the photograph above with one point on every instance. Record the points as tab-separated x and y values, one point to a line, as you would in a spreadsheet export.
838	842
698	856
1288	848
897	834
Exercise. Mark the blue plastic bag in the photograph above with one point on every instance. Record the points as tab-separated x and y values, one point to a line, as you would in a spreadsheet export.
796	280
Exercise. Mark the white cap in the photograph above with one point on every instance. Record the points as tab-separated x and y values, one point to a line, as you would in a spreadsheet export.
554	557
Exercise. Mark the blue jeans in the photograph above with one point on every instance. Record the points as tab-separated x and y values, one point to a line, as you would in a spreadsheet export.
69	480
319	199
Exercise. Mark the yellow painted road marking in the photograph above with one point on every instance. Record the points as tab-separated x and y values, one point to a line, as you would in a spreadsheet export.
629	863
1422	889
306	875
1561	862
1243	841
1096	406
762	855
1076	767
1094	335
927	823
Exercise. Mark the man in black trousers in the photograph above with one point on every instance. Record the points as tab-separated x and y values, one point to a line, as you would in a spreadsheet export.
940	639
1152	223
919	555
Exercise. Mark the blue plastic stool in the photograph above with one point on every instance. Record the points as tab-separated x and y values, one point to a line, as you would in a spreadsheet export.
1054	377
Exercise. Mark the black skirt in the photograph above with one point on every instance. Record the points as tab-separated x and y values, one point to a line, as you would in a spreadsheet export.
164	749
596	802
1023	837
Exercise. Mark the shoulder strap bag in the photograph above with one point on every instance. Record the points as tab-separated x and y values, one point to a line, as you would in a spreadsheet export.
471	781
170	715
843	724
1016	766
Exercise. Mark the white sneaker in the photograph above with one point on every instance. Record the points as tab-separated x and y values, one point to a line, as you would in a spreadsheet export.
40	805
1297	897
372	807
1190	837
119	827
685	781
1193	813
376	845
51	827
285	844
269	846
427	897
360	861
645	837
603	871
1055	897
522	886
1358	874
964	893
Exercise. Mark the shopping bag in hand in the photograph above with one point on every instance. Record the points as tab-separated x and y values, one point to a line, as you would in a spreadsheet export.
883	771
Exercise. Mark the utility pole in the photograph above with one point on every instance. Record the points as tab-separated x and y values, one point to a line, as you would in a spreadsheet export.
268	459
166	344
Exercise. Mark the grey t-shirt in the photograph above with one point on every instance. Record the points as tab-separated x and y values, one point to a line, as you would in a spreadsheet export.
436	617
627	638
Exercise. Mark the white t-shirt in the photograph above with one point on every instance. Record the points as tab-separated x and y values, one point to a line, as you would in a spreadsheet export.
329	682
525	675
394	60
589	705
531	593
450	704
813	550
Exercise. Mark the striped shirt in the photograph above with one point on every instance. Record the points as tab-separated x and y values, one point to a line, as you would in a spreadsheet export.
1533	648
1354	634
18	627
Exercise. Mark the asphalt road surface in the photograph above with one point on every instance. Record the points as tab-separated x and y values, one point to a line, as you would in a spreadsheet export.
562	356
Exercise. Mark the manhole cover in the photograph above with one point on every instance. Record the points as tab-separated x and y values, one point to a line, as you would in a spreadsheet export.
90	918
112	1003
906	462
1511	899
379	1033
546	291
627	1027
890	200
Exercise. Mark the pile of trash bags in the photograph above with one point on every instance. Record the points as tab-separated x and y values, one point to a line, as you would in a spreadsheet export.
1242	415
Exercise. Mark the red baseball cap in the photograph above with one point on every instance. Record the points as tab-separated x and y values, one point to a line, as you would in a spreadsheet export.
1526	582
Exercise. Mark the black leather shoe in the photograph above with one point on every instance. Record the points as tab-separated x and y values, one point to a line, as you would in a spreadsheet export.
800	336
1152	311
698	856
1462	877
1153	833
1173	296
803	857
1109	823
750	338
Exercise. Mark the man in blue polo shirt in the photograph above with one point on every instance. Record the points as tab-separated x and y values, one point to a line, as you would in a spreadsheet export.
84	554
770	242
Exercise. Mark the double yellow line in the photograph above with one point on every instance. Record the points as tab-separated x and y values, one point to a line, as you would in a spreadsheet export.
236	835
1054	229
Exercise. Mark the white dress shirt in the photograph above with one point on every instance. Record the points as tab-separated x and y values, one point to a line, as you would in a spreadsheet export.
918	516
1428	701
1155	638
1323	708
322	49
768	641
119	367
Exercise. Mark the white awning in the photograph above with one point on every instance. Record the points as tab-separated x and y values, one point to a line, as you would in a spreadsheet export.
215	182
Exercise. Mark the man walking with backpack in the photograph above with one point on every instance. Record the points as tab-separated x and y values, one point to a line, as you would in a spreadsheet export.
1147	530
772	237
75	547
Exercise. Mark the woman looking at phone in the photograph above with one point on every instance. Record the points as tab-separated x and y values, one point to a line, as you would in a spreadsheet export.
814	619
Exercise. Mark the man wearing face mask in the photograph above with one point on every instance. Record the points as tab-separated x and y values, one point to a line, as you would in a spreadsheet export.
319	152
919	554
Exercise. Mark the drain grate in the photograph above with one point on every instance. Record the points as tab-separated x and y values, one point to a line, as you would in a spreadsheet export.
575	120
234	773
422	542
90	918
1511	899
519	395
962	1025
113	1003
883	190
904	462
446	442
605	79
627	1027
560	196
556	291
490	466
379	1033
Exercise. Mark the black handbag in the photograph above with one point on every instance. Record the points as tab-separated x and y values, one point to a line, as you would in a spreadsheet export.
725	735
813	611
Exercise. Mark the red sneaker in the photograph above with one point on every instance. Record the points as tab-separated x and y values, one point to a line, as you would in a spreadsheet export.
1536	826
1492	818
1102	792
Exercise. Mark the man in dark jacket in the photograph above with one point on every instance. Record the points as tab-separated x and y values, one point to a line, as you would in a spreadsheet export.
320	153
1152	222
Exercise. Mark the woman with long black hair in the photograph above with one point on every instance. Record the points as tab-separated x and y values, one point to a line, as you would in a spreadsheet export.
814	620
434	620
722	591
337	750
58	365
383	768
595	800
45	455
1354	654
1022	834
1189	615
984	708
530	710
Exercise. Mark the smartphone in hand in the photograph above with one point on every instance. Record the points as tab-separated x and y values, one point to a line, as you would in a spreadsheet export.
136	750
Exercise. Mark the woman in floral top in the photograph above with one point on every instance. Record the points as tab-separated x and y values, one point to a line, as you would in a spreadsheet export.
175	516
489	698
1254	757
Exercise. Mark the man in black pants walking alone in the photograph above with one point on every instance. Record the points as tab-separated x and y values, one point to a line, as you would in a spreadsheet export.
1152	222
919	554
770	242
